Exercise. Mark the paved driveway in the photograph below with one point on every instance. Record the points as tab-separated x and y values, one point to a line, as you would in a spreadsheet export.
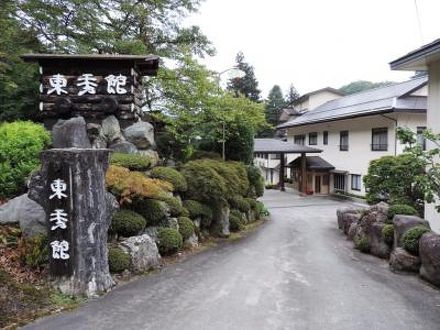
296	272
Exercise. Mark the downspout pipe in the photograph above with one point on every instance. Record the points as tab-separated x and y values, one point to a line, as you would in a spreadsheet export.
395	132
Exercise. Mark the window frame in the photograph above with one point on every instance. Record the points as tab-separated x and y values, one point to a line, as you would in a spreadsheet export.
356	187
302	137
379	146
343	134
325	138
313	135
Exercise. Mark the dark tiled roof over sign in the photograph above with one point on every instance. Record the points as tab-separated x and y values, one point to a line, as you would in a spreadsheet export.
312	163
272	146
379	100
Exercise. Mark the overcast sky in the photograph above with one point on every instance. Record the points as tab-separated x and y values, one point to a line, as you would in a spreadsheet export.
317	43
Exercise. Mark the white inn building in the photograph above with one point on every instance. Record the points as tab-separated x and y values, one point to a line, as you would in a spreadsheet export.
353	130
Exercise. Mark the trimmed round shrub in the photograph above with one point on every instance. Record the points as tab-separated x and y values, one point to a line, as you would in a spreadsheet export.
388	234
134	162
127	223
20	145
170	175
235	223
169	241
261	210
252	203
236	213
118	260
197	209
410	240
154	211
175	206
186	227
238	202
401	209
362	244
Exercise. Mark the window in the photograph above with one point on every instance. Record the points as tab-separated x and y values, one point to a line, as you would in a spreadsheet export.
325	137
299	139
379	139
313	139
343	141
276	156
420	138
339	182
355	182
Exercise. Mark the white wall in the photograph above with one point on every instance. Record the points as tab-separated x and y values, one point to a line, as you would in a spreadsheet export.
433	119
317	99
357	158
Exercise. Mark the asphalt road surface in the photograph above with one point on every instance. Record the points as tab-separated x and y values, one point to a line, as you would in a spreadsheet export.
296	271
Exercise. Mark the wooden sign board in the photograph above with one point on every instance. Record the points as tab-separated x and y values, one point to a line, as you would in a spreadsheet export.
92	86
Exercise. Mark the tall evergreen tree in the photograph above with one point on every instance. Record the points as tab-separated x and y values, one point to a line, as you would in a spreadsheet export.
274	104
248	85
292	94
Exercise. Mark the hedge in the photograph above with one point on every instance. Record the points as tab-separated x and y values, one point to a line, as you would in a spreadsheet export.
175	205
401	209
256	181
169	241
118	260
154	211
186	227
197	209
410	240
240	203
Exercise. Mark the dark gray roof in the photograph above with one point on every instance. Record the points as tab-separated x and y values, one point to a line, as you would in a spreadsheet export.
273	146
418	59
312	163
374	101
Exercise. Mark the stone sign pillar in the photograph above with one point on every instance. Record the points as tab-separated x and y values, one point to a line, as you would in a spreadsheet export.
71	188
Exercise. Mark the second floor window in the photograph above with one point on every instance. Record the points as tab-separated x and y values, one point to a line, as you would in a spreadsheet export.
420	138
379	139
299	139
325	138
343	141
313	139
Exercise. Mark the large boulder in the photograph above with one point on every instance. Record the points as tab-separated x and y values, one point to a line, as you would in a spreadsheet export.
402	261
220	222
381	208
378	246
27	213
111	131
348	219
341	212
353	230
141	134
153	232
71	133
192	241
124	147
429	251
404	222
143	252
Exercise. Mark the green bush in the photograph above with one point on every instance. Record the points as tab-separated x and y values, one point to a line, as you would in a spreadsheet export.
235	222
154	211
175	206
410	240
20	145
252	203
35	250
127	223
212	181
271	186
401	209
134	162
185	213
186	227
118	260
362	244
238	202
197	209
388	234
169	241
261	210
202	154
256	181
170	175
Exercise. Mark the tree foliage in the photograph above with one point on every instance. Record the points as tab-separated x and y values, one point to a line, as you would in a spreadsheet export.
247	85
362	85
292	94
